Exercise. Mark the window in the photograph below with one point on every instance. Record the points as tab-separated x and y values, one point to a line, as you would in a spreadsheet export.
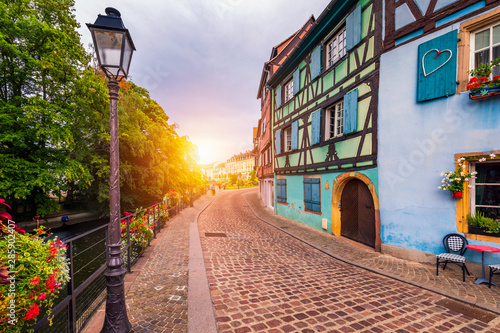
281	190
334	121
312	194
335	48
288	91
485	191
287	139
486	47
467	51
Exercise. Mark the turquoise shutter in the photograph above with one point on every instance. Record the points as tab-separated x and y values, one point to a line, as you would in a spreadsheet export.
351	111
307	194
278	142
312	194
316	195
353	28
278	97
437	67
295	135
316	62
296	81
316	127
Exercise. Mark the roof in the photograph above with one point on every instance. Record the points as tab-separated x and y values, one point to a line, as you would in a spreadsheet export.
335	11
276	54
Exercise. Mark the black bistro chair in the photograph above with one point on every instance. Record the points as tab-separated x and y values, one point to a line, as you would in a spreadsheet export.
454	244
494	270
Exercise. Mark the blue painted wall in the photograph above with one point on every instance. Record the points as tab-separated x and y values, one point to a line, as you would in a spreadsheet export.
417	141
294	209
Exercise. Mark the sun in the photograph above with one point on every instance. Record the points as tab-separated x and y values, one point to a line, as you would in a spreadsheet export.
206	153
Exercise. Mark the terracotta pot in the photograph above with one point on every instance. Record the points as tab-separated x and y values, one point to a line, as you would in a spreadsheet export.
457	195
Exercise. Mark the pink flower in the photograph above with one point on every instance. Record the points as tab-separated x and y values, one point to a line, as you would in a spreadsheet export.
42	296
35	281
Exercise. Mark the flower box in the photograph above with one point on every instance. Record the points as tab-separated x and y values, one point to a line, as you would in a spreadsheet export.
485	92
481	231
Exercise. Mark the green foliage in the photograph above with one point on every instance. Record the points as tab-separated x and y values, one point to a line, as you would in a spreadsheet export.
54	120
479	220
41	63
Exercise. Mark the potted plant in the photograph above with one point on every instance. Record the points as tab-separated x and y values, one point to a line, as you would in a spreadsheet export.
480	85
482	225
33	268
453	181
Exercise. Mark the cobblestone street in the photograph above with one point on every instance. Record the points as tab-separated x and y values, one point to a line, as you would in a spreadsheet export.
262	279
229	265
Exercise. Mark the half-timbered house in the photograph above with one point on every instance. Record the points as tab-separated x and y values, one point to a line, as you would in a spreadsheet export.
429	123
264	149
325	123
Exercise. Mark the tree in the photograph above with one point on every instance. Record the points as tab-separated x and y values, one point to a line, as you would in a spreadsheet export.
41	64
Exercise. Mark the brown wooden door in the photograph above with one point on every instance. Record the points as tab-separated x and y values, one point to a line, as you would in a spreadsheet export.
357	213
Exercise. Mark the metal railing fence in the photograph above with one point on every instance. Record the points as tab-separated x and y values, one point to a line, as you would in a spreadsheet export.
87	287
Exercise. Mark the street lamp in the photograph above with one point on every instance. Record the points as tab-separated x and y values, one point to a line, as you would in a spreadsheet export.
114	48
191	176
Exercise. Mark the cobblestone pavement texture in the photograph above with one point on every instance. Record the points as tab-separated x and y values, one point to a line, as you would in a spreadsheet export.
448	282
263	280
157	300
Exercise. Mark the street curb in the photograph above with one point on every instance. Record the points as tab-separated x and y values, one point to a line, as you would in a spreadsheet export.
380	272
201	315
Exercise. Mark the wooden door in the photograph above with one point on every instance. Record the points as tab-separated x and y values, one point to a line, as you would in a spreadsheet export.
357	213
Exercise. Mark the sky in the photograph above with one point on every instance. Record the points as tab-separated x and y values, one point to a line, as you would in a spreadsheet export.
202	60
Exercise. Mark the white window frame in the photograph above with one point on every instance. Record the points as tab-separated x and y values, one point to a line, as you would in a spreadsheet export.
334	113
288	91
472	193
336	48
287	139
473	50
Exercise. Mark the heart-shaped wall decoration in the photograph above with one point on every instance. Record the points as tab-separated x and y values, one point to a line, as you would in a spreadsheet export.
438	54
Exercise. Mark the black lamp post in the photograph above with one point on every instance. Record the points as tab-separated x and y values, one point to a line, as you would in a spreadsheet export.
191	176
114	47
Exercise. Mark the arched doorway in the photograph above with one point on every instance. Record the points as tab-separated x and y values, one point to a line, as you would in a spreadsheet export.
357	213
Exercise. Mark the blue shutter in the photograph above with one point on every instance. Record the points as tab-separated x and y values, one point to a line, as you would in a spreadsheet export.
281	190
316	127
351	111
353	28
295	135
316	194
316	62
307	194
312	194
437	67
296	81
278	97
277	141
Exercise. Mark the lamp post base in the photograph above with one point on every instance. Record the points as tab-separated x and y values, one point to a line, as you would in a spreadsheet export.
116	320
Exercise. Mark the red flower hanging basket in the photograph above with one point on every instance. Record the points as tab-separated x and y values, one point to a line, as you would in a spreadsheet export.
457	195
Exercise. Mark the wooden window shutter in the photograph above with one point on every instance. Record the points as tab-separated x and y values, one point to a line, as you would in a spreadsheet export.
353	28
307	194
316	127
437	67
296	81
312	194
316	62
295	135
278	97
351	111
278	142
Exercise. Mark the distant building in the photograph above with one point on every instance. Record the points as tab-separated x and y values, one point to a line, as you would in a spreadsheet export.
262	133
241	164
213	171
